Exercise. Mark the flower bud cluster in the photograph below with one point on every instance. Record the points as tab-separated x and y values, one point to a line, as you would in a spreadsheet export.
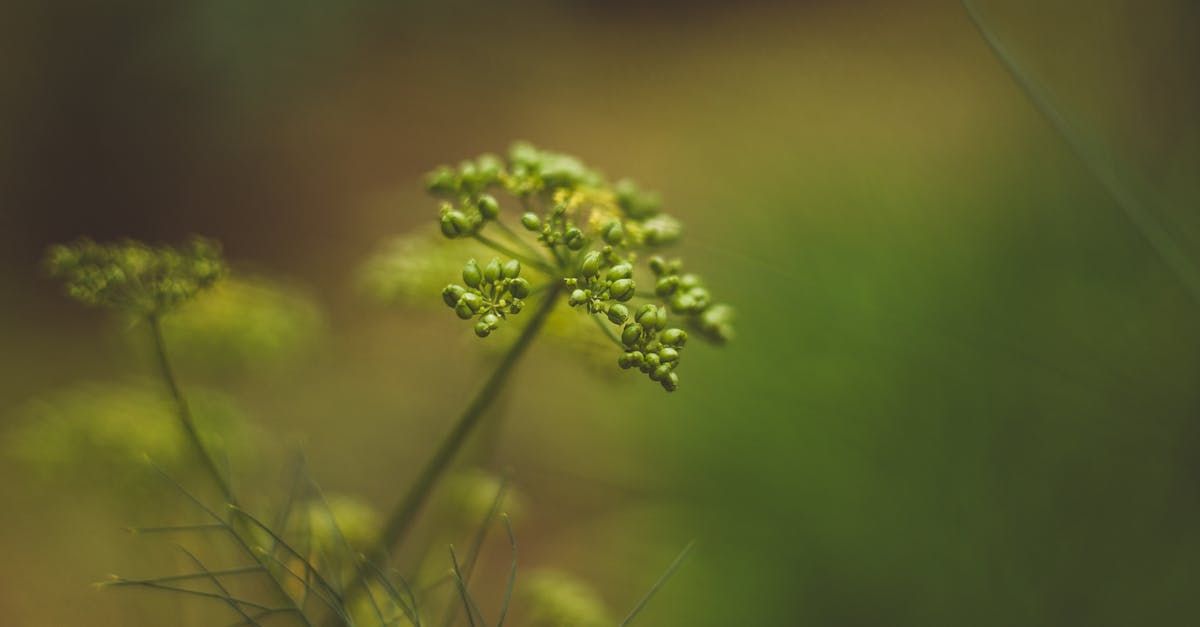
580	229
603	283
492	293
685	294
136	278
652	347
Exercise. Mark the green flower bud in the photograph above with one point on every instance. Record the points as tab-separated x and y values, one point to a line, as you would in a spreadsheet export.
637	358
482	329
573	238
490	319
661	372
519	288
668	354
647	316
631	334
489	208
613	232
591	264
472	276
620	271
652	362
682	303
671	382
531	222
662	319
441	181
463	309
452	294
666	285
473	301
662	229
688	281
578	297
489	167
622	290
515	307
625	361
449	228
657	265
511	269
618	313
491	272
674	337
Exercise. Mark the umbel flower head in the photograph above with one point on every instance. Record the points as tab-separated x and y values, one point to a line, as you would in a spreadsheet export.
136	278
584	237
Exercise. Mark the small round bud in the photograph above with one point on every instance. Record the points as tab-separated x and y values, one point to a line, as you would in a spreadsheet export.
688	281
463	310
674	337
662	319
490	319
578	297
519	288
573	238
452	294
622	289
591	264
668	354
652	362
531	222
515	307
671	382
613	232
618	313
620	271
661	372
625	361
681	303
472	275
637	358
491	272
441	181
631	334
489	208
511	269
482	329
657	265
647	316
666	285
449	228
472	300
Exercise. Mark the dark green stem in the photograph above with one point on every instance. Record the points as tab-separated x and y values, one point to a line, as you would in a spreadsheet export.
184	412
406	511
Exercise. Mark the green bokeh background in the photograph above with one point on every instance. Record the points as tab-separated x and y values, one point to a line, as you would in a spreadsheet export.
964	389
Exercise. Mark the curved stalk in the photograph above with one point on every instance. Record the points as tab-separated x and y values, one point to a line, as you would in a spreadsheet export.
403	516
184	412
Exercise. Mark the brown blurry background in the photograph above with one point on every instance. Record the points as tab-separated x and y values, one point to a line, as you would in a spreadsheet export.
964	386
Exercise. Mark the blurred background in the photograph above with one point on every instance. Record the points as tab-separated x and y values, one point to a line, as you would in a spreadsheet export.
964	389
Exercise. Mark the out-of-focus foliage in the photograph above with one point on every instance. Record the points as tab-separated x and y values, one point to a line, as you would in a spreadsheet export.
105	432
341	518
411	269
243	322
555	598
468	496
136	278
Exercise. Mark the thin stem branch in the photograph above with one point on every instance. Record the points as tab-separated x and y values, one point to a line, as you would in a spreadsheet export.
508	230
501	248
403	516
400	522
184	412
612	335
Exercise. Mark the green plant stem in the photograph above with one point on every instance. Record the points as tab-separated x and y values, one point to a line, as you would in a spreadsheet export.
184	412
405	513
501	248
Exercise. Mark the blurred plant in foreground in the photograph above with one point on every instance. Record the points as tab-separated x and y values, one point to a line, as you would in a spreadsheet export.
317	559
